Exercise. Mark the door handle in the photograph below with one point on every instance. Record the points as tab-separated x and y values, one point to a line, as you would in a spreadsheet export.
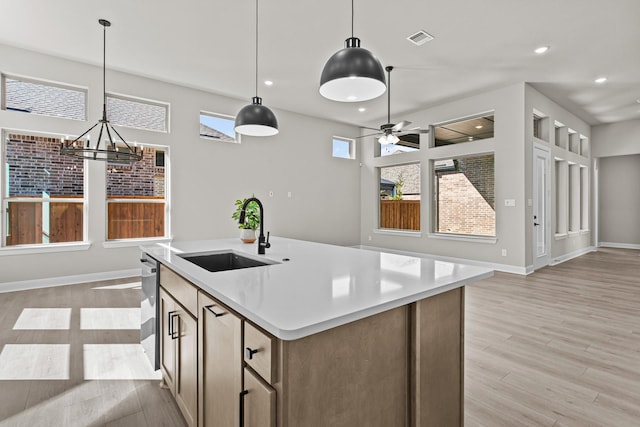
536	224
170	323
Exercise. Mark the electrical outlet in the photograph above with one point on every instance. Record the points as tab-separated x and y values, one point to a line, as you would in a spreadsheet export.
289	194
369	238
510	202
504	252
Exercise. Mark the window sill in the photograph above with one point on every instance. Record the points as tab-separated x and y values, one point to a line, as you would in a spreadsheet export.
391	232
40	249
561	236
584	231
462	238
573	233
126	243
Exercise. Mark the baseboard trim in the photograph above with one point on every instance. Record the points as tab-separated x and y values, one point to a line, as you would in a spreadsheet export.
67	280
494	266
566	257
619	245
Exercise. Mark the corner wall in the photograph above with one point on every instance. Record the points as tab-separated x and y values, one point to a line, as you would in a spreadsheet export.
206	177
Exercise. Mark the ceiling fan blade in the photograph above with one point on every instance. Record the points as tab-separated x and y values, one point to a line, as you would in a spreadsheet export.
371	134
399	126
367	127
410	131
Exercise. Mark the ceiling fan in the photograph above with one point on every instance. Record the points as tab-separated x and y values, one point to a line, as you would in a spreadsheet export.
390	132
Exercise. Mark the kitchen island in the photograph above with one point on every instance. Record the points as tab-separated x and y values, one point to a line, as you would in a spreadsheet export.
321	335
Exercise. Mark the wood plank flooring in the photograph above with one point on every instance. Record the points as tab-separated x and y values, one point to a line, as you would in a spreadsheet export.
560	347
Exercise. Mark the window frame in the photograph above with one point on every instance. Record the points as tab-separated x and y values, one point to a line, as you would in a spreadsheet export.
132	241
432	129
236	140
398	231
5	199
352	147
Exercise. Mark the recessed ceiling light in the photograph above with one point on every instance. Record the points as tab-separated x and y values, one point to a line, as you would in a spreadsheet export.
638	100
268	82
600	80
362	109
542	49
479	127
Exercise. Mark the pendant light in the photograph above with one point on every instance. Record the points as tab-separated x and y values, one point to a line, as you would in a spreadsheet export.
256	119
352	74
123	153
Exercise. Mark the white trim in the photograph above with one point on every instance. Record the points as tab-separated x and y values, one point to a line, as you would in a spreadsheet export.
499	267
619	245
566	257
44	248
392	232
123	243
67	280
463	238
561	236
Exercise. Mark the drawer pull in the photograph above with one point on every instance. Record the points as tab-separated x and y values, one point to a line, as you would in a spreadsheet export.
210	308
242	393
175	334
170	323
248	353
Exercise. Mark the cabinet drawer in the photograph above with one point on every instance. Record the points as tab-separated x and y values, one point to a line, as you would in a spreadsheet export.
259	348
180	289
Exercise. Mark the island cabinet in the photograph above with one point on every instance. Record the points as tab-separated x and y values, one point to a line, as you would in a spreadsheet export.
401	367
179	342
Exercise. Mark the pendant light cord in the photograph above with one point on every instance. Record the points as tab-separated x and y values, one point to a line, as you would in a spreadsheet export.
104	72
256	48
352	13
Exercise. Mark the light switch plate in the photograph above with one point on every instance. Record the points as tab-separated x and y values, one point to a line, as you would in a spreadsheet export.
510	202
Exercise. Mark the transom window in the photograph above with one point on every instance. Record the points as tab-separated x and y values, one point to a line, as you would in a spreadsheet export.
43	98
343	148
137	113
218	127
465	130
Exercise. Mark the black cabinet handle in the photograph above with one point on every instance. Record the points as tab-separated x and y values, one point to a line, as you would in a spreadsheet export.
210	308
242	393
175	334
248	353
170	323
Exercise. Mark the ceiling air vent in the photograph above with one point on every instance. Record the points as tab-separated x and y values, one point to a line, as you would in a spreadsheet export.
420	38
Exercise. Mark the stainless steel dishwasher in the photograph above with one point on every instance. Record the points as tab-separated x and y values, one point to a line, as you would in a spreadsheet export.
149	310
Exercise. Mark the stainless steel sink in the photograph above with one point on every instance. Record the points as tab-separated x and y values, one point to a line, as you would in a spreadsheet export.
221	261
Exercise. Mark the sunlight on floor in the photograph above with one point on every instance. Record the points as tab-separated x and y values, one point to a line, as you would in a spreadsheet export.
44	318
34	362
132	285
110	318
117	362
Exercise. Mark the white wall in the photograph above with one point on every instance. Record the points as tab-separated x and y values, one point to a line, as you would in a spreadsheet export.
507	103
206	176
616	139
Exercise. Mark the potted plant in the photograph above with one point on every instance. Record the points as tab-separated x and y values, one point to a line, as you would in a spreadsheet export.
251	220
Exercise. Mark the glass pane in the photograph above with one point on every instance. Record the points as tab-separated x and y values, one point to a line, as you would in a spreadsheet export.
142	179
43	222
400	197
137	114
342	148
465	196
132	220
44	99
464	130
406	144
216	127
36	168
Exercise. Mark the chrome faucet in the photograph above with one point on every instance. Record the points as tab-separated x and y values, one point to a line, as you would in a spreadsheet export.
262	242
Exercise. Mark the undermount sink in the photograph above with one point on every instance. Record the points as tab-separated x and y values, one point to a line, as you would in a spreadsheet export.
226	260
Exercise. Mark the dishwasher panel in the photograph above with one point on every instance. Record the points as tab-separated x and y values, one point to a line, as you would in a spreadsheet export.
149	308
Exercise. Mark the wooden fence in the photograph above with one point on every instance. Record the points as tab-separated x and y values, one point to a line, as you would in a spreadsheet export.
400	214
126	220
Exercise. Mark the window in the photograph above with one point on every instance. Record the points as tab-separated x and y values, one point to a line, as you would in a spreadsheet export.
137	113
562	195
407	143
344	148
400	197
574	197
43	194
464	196
43	98
136	197
562	135
540	125
584	198
465	130
218	127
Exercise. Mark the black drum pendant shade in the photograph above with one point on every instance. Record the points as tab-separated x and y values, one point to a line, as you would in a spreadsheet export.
352	74
256	119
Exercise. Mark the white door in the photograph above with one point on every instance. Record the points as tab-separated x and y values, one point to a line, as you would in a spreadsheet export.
540	220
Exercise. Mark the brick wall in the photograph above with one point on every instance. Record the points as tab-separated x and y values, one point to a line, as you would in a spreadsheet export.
466	198
410	175
141	178
36	166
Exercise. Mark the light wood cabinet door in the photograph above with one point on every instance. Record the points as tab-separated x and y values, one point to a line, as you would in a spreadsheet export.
259	402
220	364
186	388
167	343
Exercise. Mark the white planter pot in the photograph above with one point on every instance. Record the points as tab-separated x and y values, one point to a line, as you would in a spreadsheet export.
247	235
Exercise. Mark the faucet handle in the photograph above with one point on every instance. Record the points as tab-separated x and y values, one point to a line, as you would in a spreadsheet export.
266	243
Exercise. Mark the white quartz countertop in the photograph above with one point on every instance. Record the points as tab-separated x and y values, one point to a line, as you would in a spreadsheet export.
320	286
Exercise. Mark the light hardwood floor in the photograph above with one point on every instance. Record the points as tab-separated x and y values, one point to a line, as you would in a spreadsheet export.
560	347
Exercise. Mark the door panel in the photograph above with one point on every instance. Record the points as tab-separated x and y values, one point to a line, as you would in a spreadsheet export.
187	367
540	220
167	344
259	402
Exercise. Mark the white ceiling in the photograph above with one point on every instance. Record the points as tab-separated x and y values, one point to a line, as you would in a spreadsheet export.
479	45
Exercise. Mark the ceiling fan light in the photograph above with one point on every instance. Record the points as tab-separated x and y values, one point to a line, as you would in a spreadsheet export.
352	74
256	120
392	139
